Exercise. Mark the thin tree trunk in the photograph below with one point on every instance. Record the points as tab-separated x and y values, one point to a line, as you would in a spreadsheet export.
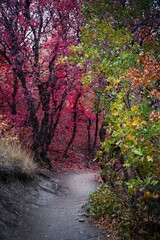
95	134
74	127
89	124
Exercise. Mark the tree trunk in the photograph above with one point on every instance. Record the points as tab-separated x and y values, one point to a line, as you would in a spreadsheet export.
89	124
95	134
74	127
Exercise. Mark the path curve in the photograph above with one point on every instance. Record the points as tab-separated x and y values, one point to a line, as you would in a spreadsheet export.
55	211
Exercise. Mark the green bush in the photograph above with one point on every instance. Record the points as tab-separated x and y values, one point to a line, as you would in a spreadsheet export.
116	207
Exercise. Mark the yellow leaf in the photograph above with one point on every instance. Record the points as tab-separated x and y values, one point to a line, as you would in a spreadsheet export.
116	81
134	108
128	122
135	142
135	123
129	137
108	88
143	122
115	113
149	159
82	28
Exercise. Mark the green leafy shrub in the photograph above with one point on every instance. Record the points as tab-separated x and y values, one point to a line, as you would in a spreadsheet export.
115	207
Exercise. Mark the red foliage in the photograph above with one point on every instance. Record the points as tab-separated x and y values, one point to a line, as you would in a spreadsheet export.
43	98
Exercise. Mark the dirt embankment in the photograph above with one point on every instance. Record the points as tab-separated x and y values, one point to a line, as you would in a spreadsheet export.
14	195
47	208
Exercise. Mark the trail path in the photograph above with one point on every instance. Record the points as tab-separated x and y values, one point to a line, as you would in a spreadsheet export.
55	211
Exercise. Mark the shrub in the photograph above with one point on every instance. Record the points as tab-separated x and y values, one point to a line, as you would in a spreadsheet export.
115	209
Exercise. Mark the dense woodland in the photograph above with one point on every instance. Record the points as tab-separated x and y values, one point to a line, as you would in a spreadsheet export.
79	81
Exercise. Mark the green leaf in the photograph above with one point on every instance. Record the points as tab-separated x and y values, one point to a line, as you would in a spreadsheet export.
137	152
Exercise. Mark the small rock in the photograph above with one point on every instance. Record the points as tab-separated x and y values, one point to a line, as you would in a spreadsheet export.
81	220
81	214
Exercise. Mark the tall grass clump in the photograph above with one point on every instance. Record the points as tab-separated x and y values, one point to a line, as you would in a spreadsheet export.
13	156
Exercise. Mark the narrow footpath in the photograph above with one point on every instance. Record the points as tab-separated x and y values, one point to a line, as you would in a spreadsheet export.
55	211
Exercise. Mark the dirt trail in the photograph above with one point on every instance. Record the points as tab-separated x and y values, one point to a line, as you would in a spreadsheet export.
55	211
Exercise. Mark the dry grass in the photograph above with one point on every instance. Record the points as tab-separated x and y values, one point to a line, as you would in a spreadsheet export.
14	156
